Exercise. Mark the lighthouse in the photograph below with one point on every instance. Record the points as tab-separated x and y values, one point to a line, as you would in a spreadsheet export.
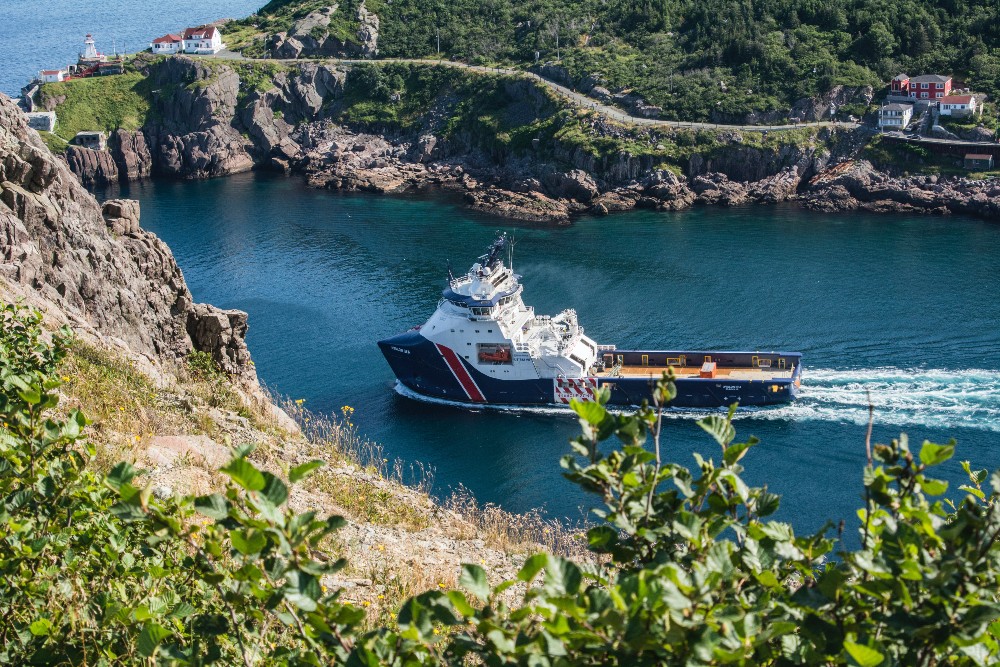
89	53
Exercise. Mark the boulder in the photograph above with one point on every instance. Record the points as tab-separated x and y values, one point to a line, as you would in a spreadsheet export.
576	184
121	215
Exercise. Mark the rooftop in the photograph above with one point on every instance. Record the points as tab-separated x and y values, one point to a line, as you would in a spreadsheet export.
930	78
977	156
897	107
956	99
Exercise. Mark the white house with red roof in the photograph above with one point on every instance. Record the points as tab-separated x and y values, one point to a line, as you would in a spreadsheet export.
205	39
168	44
958	105
53	75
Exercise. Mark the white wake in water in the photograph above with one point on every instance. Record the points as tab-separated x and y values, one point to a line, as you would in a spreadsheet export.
928	398
925	398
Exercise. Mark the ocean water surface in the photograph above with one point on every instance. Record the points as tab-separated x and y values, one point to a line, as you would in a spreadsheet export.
48	34
899	308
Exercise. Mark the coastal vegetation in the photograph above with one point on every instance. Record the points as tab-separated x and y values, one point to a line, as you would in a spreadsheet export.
694	59
685	565
98	104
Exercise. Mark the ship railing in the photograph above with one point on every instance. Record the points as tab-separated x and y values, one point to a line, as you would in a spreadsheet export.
606	348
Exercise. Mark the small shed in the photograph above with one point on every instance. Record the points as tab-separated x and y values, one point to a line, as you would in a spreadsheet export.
97	141
978	161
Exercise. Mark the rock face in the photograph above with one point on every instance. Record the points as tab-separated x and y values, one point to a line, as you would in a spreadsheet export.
131	154
310	36
194	136
121	215
859	186
92	167
97	266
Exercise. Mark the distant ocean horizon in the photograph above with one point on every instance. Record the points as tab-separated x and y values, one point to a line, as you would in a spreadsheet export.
49	34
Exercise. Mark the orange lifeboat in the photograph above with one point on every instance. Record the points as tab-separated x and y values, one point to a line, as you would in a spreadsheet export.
498	355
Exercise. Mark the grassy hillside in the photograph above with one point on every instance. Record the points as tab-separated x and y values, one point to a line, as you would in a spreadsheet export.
102	103
693	57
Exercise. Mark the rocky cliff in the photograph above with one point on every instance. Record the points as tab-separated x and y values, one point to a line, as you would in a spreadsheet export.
60	248
216	117
313	35
859	186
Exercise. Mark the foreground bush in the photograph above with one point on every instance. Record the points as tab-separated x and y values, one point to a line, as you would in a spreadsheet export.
95	570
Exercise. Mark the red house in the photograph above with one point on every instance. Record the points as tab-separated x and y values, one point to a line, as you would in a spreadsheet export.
924	87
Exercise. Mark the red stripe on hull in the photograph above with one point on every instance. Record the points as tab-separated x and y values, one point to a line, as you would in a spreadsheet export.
461	374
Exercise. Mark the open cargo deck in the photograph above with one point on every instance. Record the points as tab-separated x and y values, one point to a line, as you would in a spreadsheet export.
760	374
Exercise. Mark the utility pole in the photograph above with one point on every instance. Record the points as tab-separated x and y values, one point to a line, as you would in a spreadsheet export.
439	41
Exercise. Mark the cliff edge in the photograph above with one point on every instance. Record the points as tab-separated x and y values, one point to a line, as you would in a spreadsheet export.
59	248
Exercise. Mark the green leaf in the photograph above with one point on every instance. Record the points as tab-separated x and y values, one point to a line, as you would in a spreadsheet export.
735	452
562	576
302	471
214	506
589	411
934	487
600	538
274	490
473	578
719	428
932	454
863	655
245	474
150	637
121	474
248	542
532	566
41	628
30	395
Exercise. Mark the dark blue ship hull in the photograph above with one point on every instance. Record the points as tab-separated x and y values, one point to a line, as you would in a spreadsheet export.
436	372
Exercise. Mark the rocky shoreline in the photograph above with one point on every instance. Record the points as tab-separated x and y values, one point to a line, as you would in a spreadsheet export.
212	124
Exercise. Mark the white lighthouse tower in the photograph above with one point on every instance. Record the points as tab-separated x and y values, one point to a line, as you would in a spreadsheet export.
89	53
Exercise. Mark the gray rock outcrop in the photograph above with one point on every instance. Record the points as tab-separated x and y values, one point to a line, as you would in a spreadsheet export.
131	154
121	215
859	186
92	167
193	135
96	265
310	36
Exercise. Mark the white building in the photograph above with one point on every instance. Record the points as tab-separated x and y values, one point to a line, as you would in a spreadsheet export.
205	40
895	116
958	105
53	75
168	44
42	120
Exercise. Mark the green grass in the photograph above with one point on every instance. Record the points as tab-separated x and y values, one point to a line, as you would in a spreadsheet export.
55	143
101	103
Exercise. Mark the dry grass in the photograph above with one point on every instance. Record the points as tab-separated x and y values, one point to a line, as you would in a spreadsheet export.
517	533
123	404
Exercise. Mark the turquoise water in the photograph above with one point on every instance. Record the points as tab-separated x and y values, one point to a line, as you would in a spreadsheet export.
902	307
48	34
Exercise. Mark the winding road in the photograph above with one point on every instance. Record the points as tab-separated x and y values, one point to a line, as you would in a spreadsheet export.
580	100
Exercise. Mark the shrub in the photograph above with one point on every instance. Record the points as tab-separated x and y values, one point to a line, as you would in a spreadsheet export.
97	570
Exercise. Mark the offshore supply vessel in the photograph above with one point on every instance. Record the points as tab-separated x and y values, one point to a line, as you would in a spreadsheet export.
483	346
